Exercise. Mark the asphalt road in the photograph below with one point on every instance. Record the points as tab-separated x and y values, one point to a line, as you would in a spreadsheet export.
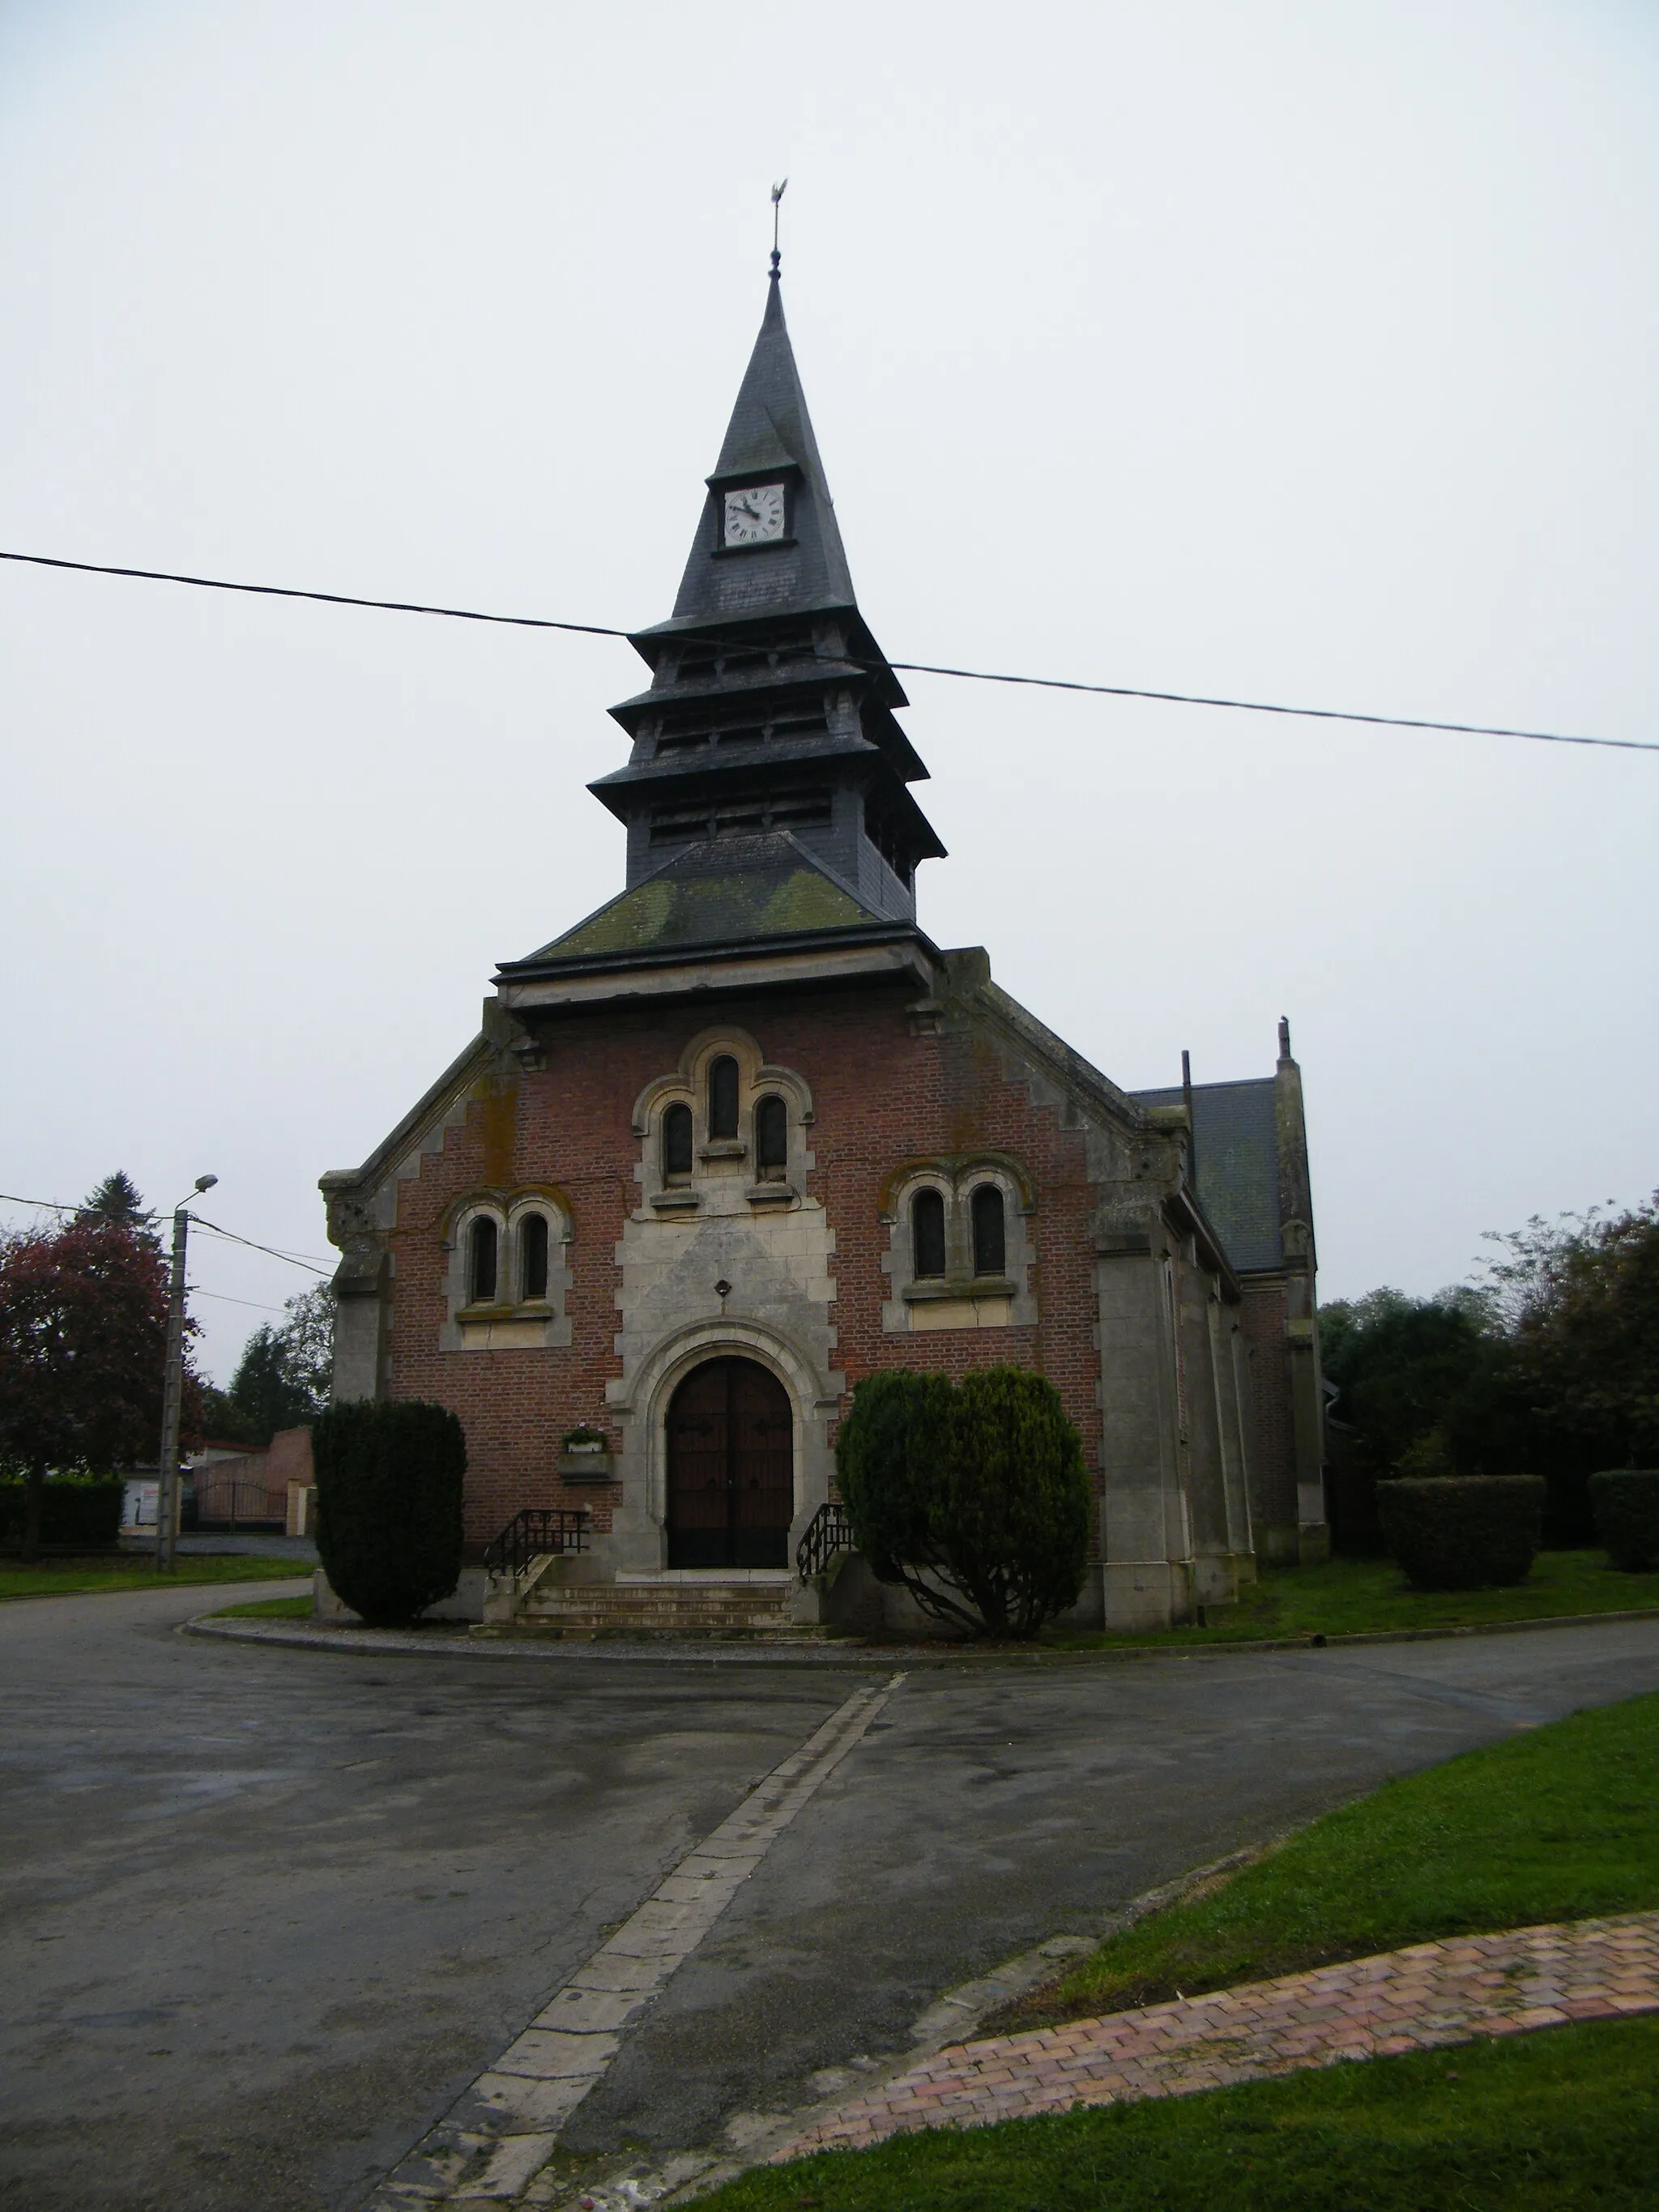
268	1911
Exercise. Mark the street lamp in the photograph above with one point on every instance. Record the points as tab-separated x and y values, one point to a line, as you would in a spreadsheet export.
173	1386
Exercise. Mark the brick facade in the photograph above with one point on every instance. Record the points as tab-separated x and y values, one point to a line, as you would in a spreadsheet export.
884	1097
531	1248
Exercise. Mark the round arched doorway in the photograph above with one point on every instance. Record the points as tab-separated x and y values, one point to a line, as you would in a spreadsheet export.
731	1468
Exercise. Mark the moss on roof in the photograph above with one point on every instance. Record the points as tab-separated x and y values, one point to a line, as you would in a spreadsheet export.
716	907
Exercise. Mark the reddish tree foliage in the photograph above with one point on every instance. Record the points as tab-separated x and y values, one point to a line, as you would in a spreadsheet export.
83	1317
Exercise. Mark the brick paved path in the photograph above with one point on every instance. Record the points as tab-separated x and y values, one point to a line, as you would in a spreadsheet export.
1412	2000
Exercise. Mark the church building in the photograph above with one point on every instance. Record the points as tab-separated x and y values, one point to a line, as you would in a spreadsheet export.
746	1135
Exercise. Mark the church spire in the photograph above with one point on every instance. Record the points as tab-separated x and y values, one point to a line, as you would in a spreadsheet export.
766	792
767	543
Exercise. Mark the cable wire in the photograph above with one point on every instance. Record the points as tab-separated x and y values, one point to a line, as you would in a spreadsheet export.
905	667
294	1258
195	1291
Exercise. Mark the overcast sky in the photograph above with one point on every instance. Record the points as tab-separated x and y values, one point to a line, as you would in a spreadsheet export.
1294	349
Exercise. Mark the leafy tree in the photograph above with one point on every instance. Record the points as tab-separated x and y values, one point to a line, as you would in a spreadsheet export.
282	1381
1581	1297
1550	1366
83	1317
307	1336
1406	1366
973	1497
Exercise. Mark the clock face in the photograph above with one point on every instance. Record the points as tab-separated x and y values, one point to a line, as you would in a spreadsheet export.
754	516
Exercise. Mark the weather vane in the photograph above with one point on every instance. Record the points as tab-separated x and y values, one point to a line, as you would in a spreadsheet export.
778	191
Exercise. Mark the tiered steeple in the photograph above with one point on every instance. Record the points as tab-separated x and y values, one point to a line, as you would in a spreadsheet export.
767	791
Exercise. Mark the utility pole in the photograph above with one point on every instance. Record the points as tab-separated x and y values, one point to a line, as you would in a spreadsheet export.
173	1390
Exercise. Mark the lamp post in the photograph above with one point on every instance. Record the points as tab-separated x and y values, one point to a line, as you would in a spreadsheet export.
172	1388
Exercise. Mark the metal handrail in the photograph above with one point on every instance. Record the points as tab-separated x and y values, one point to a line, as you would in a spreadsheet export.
534	1531
829	1531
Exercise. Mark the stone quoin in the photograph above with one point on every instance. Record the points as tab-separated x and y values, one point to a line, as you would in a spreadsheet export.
746	1135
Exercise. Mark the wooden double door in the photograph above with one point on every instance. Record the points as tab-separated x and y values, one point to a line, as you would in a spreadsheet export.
731	1468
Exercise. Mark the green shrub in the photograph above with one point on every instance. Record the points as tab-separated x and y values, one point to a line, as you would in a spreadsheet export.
1462	1532
1015	1516
389	1479
1625	1502
890	1463
1431	1454
76	1514
974	1497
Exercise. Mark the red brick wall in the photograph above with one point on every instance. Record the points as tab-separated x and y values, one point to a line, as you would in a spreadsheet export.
881	1097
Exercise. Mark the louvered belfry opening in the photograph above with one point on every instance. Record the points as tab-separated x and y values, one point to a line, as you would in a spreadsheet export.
731	1468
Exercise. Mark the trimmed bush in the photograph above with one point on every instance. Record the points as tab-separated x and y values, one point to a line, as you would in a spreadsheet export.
74	1514
973	1497
890	1461
1014	1519
1626	1504
1462	1532
389	1478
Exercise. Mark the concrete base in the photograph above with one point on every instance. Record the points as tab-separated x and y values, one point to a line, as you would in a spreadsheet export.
1090	1611
1142	1594
1313	1544
1217	1577
465	1602
1279	1545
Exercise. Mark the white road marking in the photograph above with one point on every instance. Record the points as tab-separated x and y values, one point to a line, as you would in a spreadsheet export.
504	2128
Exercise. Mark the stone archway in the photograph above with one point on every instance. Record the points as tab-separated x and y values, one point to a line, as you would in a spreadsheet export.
731	1487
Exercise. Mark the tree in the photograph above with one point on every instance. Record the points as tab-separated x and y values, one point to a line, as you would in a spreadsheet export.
1549	1366
391	1474
890	1461
83	1319
1581	1297
973	1497
282	1381
119	1201
1404	1367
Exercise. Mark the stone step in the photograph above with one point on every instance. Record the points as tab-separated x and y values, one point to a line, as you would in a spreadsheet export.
587	1610
597	1616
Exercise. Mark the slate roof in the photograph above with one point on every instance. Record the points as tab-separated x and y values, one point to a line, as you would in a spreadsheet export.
769	428
1235	1135
726	892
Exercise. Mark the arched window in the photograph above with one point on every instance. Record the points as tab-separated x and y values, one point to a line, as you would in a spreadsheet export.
722	1098
482	1245
533	1256
927	1232
772	1136
990	1244
676	1141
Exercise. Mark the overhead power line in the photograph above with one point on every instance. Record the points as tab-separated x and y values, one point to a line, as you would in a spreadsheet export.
905	667
292	1258
225	1299
51	1205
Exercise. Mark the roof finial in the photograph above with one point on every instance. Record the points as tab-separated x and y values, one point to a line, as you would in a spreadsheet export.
778	191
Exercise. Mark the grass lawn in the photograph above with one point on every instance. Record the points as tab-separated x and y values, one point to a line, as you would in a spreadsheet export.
267	1609
1350	1597
71	1578
1559	1823
1567	2118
